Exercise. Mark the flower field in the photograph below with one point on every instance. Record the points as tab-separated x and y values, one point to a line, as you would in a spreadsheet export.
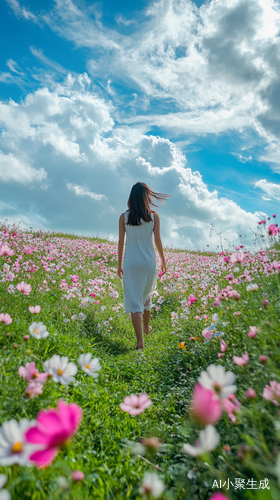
194	415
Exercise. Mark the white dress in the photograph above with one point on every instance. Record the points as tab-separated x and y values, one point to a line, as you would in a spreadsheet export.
139	266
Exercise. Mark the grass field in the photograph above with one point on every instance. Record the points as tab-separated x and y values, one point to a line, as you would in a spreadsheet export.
74	281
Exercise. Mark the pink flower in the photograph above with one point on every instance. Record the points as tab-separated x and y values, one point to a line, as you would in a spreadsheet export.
274	215
265	303
262	222
24	288
223	346
216	303
207	334
191	300
253	331
34	309
6	250
135	405
240	361
78	475
237	313
235	295
26	337
219	496
52	430
263	359
30	372
229	277
250	394
220	355
205	406
231	406
34	389
272	393
273	230
6	318
237	257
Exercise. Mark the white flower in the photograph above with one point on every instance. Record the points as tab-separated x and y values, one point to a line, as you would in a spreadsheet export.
252	288
152	486
11	289
88	365
208	441
4	494
38	330
218	380
13	447
61	370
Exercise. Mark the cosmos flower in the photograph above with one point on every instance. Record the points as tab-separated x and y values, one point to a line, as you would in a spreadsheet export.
208	441
152	486
24	288
216	379
61	369
34	309
272	393
135	405
88	365
6	318
240	361
38	330
14	448
4	494
205	406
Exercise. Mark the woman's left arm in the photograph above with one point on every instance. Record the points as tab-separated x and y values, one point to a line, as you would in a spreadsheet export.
120	245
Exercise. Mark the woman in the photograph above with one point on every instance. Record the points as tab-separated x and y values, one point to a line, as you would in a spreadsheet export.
139	270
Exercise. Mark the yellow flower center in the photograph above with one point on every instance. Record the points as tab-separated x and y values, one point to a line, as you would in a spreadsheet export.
87	366
59	371
36	331
17	447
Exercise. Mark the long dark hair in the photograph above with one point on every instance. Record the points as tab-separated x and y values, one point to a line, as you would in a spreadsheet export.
140	202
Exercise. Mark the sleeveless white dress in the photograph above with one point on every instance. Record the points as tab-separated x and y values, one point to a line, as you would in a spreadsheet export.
139	266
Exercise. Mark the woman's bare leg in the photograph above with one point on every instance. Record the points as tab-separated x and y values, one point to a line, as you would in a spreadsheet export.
147	319
137	325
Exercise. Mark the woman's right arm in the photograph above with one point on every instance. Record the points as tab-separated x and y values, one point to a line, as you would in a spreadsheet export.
159	243
121	245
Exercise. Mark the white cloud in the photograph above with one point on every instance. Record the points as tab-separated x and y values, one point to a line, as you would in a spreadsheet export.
22	11
241	158
14	170
39	54
13	66
271	189
83	191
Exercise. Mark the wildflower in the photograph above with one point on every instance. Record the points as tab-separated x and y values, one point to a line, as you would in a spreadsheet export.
88	365
263	359
34	388
250	394
252	288
11	289
253	331
272	393
229	277
237	257
26	337
14	448
220	355
274	215
208	441
191	300
24	288
52	430
6	250
273	230
265	302
234	295
219	496
223	345
240	361
215	378
34	309
6	318
205	405
38	330
135	405
4	494
237	313
262	222
152	486
61	370
231	406
78	475
30	372
182	345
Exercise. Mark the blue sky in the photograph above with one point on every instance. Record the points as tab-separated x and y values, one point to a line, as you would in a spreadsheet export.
182	95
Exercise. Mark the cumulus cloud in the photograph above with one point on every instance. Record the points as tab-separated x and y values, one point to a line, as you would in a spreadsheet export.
83	191
271	189
14	170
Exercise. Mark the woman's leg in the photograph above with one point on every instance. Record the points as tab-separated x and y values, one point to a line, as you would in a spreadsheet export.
147	319
137	325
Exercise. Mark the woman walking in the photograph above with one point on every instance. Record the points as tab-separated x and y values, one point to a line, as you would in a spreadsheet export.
139	271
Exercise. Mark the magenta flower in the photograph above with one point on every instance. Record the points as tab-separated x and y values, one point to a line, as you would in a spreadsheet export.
34	309
272	393
223	345
30	372
219	496
253	331
262	222
205	406
24	288
250	394
6	250
191	300
135	405
52	430
274	215
231	405
273	230
240	361
5	318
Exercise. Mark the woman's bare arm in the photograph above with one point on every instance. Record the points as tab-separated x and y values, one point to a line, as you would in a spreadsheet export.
121	245
159	243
